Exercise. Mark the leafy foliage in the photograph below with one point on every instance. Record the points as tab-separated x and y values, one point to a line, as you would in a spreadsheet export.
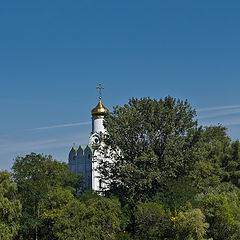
152	221
191	225
35	176
95	219
213	146
149	141
10	207
176	193
231	164
222	211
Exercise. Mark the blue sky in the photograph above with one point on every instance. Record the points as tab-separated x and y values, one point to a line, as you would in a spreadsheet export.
54	53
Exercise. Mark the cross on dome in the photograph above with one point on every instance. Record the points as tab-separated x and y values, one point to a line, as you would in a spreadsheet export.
100	90
99	110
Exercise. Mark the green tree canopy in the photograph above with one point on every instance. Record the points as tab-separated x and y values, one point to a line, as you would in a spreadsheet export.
149	141
213	147
10	207
191	225
151	221
35	176
93	219
231	164
222	211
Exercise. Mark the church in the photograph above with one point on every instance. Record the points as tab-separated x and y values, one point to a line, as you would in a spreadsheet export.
83	159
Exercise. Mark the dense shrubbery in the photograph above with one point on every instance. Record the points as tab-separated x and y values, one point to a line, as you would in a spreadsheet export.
173	180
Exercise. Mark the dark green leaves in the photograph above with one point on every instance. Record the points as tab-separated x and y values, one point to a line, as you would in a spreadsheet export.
38	177
157	140
10	207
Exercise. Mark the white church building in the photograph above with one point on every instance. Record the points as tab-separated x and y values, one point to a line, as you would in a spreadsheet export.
83	159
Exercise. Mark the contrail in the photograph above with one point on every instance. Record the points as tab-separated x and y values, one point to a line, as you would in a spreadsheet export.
21	147
229	122
60	126
217	108
219	113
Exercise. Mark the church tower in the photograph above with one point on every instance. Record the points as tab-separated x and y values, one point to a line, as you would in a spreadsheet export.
98	114
83	159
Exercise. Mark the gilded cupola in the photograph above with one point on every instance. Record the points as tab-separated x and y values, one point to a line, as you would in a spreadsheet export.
100	110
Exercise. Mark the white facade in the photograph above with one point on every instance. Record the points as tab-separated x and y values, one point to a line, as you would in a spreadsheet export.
97	125
83	159
97	128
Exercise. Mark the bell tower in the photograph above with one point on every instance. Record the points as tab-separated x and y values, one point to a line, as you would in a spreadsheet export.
98	114
84	158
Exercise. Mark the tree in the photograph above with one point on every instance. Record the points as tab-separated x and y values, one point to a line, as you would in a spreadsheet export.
57	199
35	175
214	148
149	141
93	219
191	225
176	193
152	221
222	211
10	207
231	164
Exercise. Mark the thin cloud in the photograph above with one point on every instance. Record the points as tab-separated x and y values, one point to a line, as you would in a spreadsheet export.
227	122
59	126
231	122
40	145
219	113
217	108
27	146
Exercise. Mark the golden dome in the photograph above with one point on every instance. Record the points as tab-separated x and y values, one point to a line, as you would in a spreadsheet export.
99	110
